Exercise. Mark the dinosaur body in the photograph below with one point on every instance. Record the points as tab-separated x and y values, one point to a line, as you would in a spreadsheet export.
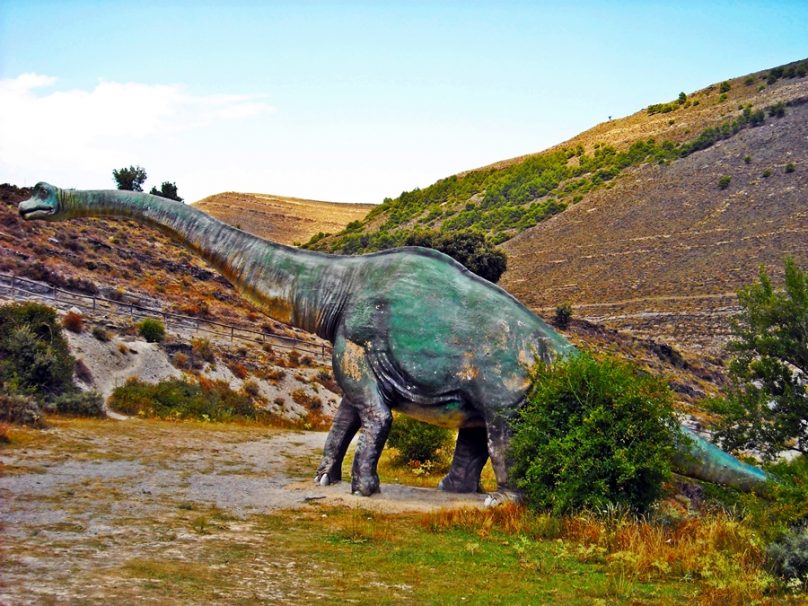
412	330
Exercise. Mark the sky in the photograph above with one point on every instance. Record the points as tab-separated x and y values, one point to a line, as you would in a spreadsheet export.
346	101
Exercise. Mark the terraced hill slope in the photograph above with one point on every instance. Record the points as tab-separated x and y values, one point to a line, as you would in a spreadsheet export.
662	253
281	219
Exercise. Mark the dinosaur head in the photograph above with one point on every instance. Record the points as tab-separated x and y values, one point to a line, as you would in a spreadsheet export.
43	203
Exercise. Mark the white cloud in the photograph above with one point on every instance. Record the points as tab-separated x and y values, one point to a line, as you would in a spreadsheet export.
73	136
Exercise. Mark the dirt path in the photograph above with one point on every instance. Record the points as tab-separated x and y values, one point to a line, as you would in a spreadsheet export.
87	502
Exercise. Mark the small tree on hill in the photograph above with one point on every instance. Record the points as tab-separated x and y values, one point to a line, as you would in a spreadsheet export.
168	190
767	407
131	179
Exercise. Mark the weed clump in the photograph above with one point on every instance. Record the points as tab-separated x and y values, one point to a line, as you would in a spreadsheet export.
593	435
101	334
202	349
152	330
74	322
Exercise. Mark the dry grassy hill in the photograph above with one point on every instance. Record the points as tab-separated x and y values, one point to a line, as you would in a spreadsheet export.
281	219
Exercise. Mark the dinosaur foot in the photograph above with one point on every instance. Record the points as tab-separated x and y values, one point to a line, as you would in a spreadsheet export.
323	479
451	484
365	486
501	497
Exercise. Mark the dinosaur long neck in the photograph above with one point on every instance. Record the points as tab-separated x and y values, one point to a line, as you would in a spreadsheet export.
301	288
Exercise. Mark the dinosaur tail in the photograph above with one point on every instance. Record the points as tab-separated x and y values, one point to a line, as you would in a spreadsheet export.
697	458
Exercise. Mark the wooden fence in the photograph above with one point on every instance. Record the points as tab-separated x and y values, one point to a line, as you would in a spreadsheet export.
18	288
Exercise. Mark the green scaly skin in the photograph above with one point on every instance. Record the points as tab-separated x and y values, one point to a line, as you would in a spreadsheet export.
412	330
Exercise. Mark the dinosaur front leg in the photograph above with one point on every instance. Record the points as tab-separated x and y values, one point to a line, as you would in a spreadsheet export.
343	429
361	386
376	421
470	455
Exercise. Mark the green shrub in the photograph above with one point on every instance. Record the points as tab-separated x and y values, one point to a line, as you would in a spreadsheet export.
790	167
788	557
563	315
767	173
180	399
591	435
724	181
418	441
34	356
20	410
79	404
152	330
747	159
724	88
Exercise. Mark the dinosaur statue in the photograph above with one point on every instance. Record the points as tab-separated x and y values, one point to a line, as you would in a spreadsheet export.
412	330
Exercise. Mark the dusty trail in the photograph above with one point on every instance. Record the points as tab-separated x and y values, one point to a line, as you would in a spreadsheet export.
85	503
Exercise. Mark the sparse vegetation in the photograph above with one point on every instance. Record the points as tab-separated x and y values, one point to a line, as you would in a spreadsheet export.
790	167
724	181
152	330
202	349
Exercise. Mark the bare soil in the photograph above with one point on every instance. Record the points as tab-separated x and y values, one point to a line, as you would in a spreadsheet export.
92	508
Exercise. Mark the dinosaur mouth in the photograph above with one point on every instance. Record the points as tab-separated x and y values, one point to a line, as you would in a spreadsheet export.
37	212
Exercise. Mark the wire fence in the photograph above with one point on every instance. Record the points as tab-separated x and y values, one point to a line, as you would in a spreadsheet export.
18	288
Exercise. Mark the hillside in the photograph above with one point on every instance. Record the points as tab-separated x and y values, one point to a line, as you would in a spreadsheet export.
128	262
281	219
662	253
628	221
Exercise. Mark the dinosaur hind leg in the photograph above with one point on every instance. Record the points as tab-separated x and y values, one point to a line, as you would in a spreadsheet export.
499	435
343	429
470	455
